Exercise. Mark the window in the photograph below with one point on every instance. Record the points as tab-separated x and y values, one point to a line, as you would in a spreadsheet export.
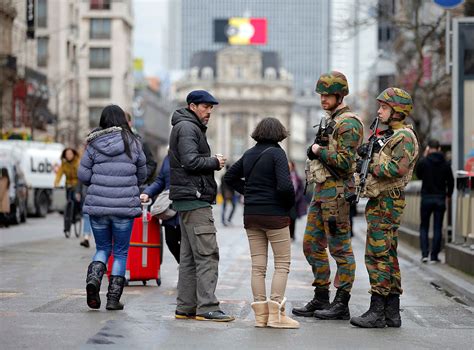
100	28
99	58
42	52
94	116
42	13
99	87
100	4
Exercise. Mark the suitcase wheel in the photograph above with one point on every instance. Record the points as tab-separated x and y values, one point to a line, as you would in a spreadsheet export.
158	282
144	283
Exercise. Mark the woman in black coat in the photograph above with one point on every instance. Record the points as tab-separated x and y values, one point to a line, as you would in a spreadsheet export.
263	177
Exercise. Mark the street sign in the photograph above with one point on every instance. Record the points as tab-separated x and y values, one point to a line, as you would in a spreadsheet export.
448	4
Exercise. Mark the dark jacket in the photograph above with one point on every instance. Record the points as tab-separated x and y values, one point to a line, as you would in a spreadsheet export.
113	178
268	189
161	183
192	167
436	175
151	164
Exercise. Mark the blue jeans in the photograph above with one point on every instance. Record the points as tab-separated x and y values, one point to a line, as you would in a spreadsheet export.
86	226
436	205
112	233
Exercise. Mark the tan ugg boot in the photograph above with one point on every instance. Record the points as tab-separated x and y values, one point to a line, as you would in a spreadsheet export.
277	317
260	308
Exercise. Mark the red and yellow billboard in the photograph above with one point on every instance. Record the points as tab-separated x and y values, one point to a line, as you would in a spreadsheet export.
241	31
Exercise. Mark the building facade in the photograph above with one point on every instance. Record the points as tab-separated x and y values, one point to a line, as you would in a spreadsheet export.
105	60
298	32
250	85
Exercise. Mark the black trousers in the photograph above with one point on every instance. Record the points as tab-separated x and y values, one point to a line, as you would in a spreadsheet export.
436	205
173	240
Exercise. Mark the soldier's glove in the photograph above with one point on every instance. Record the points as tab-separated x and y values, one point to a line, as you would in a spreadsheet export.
359	164
310	153
362	150
377	146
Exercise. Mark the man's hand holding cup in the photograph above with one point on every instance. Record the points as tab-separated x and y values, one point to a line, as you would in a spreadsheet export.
221	159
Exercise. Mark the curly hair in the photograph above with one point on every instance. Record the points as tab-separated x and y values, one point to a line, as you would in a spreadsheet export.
270	130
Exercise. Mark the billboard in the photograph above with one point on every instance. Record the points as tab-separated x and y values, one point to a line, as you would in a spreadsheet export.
241	31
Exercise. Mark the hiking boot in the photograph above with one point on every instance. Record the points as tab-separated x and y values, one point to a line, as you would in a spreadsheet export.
339	308
392	311
320	302
375	316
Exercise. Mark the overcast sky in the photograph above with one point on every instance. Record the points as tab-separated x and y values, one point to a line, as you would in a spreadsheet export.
149	33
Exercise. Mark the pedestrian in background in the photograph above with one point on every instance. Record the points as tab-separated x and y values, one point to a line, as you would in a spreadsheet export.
4	197
328	222
193	189
300	208
262	176
70	159
390	169
151	163
113	166
228	196
171	226
437	187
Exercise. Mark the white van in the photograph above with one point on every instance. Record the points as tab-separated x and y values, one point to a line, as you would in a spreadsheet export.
39	163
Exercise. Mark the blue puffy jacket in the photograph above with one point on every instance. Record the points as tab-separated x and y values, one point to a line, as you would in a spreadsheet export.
113	178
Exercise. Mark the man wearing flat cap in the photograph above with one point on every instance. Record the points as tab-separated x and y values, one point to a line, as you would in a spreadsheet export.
193	190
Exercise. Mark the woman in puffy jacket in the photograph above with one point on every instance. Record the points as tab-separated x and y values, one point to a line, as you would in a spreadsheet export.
113	166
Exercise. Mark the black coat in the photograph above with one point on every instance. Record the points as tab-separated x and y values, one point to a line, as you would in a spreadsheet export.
192	167
436	175
268	190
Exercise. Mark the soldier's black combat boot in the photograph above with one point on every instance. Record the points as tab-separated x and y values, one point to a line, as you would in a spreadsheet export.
339	308
375	316
392	310
116	285
319	302
95	272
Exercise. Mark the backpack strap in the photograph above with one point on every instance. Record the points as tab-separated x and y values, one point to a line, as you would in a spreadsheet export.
256	161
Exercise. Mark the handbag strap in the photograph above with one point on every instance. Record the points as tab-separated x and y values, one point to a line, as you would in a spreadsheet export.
256	161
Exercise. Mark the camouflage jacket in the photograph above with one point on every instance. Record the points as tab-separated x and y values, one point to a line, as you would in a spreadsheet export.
402	149
348	135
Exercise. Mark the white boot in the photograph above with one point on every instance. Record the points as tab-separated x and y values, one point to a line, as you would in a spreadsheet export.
277	317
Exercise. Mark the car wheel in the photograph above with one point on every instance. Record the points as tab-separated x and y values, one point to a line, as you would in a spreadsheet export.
15	214
42	205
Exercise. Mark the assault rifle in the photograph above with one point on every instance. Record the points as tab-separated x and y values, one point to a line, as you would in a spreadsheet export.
366	158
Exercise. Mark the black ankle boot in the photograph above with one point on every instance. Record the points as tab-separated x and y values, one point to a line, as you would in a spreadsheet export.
339	308
392	310
116	285
95	272
319	302
375	316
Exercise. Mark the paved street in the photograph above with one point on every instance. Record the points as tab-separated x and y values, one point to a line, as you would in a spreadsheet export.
42	302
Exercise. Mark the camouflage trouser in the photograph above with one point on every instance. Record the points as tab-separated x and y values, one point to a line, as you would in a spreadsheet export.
383	215
328	222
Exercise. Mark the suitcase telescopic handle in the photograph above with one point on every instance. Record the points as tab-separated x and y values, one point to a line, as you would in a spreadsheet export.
145	206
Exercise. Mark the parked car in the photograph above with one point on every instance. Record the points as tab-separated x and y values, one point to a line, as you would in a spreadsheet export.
17	191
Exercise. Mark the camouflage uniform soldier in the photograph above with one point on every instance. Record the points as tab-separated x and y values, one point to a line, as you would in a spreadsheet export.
332	164
390	170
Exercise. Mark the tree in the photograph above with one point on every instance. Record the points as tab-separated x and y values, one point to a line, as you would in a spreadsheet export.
414	32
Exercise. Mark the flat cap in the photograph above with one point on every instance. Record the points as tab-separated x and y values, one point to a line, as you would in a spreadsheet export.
200	96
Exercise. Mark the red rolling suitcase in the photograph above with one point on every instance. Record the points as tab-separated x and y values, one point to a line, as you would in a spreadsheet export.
145	254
